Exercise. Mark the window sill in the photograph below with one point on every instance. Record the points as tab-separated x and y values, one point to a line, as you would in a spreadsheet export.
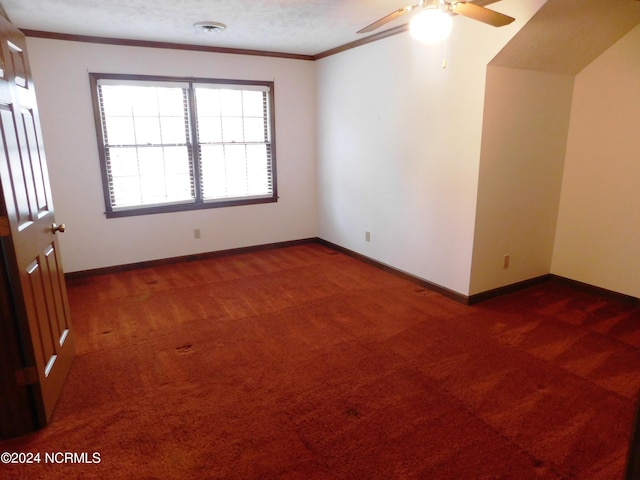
131	212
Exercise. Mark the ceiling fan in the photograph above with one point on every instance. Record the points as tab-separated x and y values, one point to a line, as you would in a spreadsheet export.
467	9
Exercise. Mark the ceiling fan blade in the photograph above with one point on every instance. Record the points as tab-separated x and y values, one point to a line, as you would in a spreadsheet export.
484	3
392	16
481	14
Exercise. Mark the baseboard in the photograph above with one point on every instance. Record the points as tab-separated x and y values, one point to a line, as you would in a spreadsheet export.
482	296
185	258
234	251
512	287
586	287
458	297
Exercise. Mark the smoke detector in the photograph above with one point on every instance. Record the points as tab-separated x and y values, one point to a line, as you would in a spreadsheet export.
209	27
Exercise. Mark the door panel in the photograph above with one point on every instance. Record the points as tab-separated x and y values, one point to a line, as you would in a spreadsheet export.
14	168
31	151
31	250
18	62
44	346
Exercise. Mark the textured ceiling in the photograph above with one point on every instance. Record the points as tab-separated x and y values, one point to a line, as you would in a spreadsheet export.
565	36
305	27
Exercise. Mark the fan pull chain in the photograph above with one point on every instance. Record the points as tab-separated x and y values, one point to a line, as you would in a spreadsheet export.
444	53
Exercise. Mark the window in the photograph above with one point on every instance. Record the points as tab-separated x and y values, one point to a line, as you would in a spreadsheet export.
171	144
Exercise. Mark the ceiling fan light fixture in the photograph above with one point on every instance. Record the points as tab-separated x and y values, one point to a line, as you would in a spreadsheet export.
209	27
432	25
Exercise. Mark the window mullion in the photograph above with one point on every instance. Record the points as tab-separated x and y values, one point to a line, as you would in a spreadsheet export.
194	143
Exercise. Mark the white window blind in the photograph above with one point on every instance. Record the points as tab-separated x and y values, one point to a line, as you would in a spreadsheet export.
234	142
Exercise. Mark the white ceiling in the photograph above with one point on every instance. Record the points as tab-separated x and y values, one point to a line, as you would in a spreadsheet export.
305	27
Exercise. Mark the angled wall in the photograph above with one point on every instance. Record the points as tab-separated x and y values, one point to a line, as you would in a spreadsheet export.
526	120
543	150
598	232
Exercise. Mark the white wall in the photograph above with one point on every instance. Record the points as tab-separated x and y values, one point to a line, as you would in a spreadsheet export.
60	70
526	120
400	147
598	232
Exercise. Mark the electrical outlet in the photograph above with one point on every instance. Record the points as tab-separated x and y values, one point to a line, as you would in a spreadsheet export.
196	233
506	260
367	236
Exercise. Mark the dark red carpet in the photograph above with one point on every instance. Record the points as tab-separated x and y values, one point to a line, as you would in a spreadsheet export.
304	363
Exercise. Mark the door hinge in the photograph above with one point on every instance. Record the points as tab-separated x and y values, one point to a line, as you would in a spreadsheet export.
27	376
5	228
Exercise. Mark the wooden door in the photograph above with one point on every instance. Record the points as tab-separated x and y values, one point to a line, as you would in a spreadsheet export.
39	308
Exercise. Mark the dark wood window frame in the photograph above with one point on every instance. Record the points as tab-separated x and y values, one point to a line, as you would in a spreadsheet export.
193	144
